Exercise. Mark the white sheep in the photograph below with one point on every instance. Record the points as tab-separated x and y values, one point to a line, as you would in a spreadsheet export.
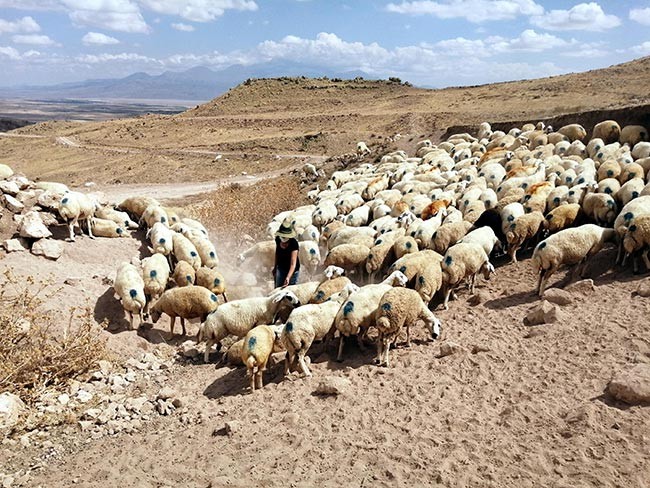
155	274
484	237
637	240
184	274
75	206
211	279
121	218
257	347
398	308
525	227
106	228
187	302
237	317
463	261
310	170
184	250
152	214
161	238
129	287
568	247
309	323
362	149
357	313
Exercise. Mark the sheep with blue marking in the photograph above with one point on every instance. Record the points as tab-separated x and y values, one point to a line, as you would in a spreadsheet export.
106	228
310	323
309	255
525	228
75	206
257	347
188	302
449	234
184	274
600	207
463	261
350	257
135	206
636	241
161	238
205	248
184	250
404	245
237	317
411	264
152	214
632	210
129	287
401	308
211	279
428	281
379	259
155	274
357	313
568	247
328	288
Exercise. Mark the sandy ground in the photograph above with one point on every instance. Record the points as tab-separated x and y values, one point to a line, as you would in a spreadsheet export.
520	406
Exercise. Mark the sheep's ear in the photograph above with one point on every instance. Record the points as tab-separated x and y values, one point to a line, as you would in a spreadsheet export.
278	297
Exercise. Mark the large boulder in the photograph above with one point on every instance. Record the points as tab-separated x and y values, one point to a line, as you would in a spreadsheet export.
333	385
49	200
5	171
632	386
14	245
558	296
9	187
32	226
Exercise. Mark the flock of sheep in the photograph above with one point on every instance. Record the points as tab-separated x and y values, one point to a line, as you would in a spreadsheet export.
423	225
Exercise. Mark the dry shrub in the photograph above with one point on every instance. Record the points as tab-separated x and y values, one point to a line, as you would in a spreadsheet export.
34	353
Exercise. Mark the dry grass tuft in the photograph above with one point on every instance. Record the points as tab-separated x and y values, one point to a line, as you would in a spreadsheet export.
33	354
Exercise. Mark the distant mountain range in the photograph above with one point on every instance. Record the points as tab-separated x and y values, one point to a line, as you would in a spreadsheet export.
199	83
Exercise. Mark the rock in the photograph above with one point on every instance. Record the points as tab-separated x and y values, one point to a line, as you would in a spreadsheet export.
291	419
84	425
232	427
543	313
16	245
582	287
178	403
49	248
164	407
24	196
644	289
92	413
558	296
448	348
166	393
188	349
21	181
333	385
64	399
49	200
12	204
11	408
104	366
8	482
9	188
32	226
146	409
84	396
632	386
76	282
48	218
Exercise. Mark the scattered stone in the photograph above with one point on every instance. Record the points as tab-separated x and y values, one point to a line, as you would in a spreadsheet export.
166	393
49	200
8	482
232	427
9	188
24	196
48	218
49	248
21	181
476	349
189	350
64	399
535	331
582	287
333	385
164	407
543	313
32	226
448	348
84	425
12	204
11	408
644	289
632	386
291	419
76	282
16	245
84	396
178	403
104	366
558	296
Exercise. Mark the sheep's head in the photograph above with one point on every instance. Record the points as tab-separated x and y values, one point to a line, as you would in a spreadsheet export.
434	326
286	297
488	269
155	315
333	272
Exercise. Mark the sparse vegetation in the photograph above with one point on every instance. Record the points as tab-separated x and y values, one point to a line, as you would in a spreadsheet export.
34	352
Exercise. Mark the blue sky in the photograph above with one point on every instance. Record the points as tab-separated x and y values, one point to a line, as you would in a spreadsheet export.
429	43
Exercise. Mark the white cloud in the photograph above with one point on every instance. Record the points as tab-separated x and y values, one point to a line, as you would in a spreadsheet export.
30	4
476	11
9	52
183	27
584	16
35	39
641	49
529	41
99	39
26	24
117	15
198	10
640	15
109	58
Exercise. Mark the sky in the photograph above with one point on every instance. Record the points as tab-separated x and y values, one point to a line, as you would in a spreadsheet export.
428	43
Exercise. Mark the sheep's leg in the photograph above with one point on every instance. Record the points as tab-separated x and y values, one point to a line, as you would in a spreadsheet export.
635	264
513	254
472	283
445	303
206	354
303	365
71	229
141	317
252	374
287	364
90	230
545	279
619	254
540	277
131	320
183	325
380	350
646	259
339	356
408	336
259	377
386	341
172	322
